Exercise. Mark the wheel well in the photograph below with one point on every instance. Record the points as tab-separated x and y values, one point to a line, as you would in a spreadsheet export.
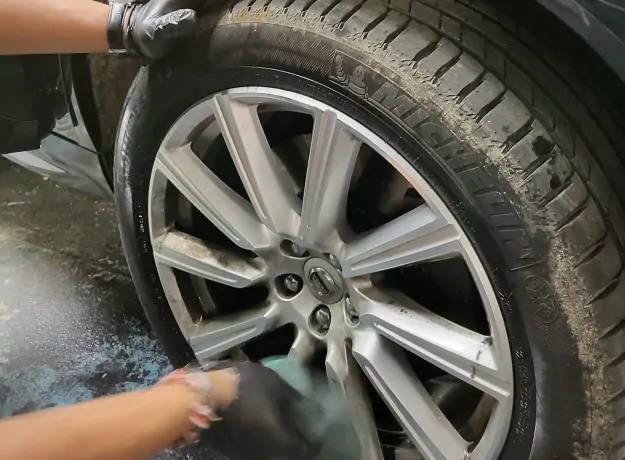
583	59
81	79
102	82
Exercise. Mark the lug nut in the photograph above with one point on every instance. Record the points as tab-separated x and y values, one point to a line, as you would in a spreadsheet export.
334	261
322	315
297	250
351	315
349	307
292	249
292	284
321	319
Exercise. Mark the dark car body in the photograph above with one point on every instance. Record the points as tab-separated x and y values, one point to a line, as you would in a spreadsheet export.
58	114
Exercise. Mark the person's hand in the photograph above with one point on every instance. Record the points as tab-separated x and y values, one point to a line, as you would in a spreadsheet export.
149	29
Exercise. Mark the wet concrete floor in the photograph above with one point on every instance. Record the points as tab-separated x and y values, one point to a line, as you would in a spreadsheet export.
71	326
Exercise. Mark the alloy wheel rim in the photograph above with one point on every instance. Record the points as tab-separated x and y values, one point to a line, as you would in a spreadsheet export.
370	329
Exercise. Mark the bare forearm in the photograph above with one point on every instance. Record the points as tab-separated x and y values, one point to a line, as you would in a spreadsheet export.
127	426
52	26
130	426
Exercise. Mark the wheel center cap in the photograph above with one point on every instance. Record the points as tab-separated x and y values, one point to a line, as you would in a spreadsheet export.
323	280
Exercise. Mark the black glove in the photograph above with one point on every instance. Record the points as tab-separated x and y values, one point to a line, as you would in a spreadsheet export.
264	421
148	29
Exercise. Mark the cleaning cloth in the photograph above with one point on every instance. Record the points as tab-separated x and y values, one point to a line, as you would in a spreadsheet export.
323	410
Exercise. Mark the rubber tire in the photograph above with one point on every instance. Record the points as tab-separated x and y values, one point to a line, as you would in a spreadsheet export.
515	149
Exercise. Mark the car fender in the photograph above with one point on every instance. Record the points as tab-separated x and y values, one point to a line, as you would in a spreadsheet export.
600	23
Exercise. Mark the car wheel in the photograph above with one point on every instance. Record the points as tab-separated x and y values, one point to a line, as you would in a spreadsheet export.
361	185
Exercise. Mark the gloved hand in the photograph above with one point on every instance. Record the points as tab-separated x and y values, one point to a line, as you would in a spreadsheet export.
264	421
149	29
284	411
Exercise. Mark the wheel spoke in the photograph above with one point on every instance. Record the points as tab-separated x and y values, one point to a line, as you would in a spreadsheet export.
406	397
192	255
417	236
216	336
344	373
230	213
303	347
467	355
332	157
263	178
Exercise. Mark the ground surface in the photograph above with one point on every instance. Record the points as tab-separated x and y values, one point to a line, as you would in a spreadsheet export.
71	325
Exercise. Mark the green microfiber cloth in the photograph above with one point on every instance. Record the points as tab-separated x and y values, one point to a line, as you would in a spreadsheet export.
324	411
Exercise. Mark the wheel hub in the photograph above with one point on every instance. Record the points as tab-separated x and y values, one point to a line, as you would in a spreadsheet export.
324	281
